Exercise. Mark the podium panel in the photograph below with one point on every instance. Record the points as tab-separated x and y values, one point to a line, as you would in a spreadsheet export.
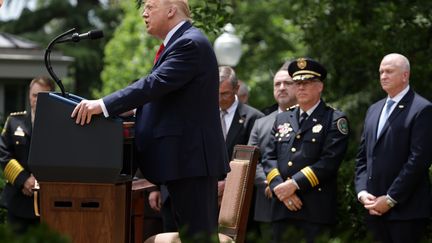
87	212
63	151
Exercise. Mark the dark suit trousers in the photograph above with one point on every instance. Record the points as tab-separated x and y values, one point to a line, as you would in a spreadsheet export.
397	231
195	204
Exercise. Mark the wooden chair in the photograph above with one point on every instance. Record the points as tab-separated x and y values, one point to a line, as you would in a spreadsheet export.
236	199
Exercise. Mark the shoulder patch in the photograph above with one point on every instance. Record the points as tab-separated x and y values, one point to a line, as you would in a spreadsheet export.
19	113
342	125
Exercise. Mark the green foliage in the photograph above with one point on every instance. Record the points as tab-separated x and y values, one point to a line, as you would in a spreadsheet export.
269	38
38	234
129	54
54	17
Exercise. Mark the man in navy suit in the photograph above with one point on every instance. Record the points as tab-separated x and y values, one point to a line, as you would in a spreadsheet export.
178	134
392	165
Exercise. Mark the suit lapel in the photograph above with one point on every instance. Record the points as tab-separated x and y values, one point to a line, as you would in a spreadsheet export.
314	118
375	116
294	118
176	35
402	105
236	124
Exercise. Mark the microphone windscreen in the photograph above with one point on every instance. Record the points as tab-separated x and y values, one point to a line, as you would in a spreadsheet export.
96	34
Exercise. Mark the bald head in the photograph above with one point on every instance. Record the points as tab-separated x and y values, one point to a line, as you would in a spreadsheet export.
394	73
398	60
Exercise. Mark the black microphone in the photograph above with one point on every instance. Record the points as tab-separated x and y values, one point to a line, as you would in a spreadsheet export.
92	35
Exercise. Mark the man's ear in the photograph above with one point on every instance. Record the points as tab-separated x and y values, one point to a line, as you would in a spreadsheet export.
172	11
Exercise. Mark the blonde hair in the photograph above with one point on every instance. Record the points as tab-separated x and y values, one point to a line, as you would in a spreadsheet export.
182	7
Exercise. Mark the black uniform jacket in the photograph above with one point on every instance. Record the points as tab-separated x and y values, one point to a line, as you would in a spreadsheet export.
14	149
311	155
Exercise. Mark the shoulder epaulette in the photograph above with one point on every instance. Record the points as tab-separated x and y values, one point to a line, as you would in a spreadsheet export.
293	107
19	113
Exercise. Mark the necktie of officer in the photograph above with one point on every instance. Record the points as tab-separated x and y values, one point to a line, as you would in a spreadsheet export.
223	113
384	118
303	117
161	48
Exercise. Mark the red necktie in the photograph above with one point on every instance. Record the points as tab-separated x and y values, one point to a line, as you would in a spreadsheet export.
161	48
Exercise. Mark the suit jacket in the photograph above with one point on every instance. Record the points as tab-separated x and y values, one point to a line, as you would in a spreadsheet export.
397	163
241	126
178	132
311	155
260	136
15	145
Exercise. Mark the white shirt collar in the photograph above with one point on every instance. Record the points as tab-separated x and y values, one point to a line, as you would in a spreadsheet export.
171	32
233	107
311	110
399	96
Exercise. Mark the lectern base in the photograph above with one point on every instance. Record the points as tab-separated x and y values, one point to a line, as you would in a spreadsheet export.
87	212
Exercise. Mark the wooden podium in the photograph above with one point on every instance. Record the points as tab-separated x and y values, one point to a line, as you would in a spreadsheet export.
84	172
87	212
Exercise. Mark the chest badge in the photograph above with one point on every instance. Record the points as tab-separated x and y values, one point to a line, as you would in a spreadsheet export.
317	128
19	132
284	130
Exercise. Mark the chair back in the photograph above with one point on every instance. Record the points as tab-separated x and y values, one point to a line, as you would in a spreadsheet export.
237	196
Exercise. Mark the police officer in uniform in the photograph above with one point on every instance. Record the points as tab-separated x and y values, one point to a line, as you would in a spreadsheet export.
18	195
306	148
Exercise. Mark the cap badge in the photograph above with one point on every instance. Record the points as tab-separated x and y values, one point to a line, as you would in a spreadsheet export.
301	63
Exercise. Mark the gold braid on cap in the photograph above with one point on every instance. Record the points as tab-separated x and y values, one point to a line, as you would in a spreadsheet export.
12	170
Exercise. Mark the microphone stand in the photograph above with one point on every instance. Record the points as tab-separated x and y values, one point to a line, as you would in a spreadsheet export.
48	60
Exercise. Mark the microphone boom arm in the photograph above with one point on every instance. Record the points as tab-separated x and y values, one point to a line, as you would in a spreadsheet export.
48	60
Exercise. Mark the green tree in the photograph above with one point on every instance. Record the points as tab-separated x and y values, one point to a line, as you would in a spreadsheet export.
269	38
52	17
129	54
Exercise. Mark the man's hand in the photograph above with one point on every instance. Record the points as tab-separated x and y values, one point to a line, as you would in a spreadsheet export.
293	203
367	199
29	184
155	200
379	207
285	190
85	110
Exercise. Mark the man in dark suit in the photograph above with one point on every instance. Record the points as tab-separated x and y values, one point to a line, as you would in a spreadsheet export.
178	133
392	165
303	157
283	91
238	118
17	195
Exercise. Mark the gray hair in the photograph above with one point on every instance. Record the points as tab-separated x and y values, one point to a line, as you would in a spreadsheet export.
227	73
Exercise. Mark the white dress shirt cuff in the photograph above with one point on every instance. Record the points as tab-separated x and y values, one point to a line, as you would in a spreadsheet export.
391	199
104	109
361	193
295	184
